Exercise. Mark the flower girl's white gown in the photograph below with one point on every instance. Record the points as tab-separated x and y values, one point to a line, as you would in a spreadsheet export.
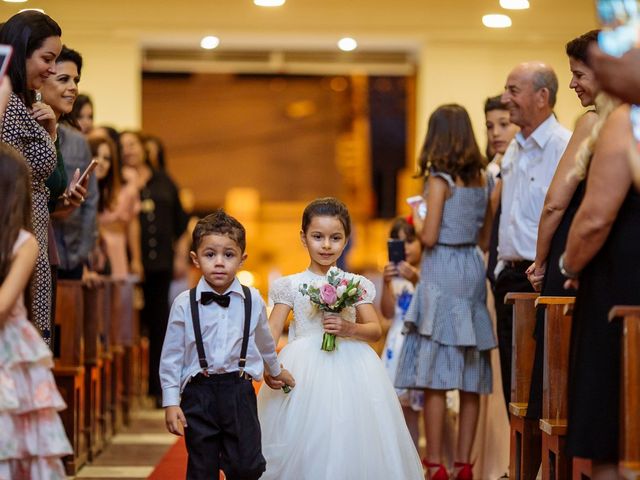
343	420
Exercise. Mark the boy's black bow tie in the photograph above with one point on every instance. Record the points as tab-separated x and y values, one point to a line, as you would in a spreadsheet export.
207	297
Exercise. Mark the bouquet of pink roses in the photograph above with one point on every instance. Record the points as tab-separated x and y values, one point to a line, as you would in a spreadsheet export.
340	290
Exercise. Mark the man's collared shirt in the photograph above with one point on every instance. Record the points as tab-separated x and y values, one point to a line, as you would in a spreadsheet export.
222	331
527	169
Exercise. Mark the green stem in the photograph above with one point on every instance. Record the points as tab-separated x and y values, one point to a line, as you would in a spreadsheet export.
328	342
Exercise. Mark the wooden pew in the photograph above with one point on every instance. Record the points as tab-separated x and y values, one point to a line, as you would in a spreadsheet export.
525	433
129	338
553	424
117	354
94	298
106	401
630	390
69	368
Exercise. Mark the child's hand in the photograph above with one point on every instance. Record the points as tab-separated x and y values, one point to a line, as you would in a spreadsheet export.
408	271
175	420
390	271
273	382
332	323
285	378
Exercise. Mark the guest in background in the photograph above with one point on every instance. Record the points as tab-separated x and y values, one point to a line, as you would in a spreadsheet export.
397	290
82	113
118	207
602	261
560	205
30	127
500	133
527	168
449	332
33	440
75	231
156	152
162	222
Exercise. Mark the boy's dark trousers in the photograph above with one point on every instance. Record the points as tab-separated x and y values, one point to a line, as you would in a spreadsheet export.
223	432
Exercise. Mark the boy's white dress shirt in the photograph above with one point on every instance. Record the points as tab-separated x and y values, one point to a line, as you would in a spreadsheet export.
527	169
222	331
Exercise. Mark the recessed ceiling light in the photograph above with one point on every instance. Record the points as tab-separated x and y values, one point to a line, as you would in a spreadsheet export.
347	44
514	4
269	3
15	1
209	42
496	20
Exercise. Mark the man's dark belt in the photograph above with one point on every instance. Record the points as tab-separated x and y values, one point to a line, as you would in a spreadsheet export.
517	264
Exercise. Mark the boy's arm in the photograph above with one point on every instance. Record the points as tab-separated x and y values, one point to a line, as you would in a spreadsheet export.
265	343
172	357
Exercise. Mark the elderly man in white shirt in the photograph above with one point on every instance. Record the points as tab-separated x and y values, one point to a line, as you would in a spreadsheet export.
527	169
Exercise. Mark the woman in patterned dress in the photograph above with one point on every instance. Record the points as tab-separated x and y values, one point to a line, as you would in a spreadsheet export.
30	127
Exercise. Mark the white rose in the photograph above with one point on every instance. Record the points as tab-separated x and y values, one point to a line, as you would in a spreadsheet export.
352	292
340	290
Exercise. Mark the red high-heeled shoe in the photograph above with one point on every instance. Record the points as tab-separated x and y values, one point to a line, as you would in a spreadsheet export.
441	473
465	472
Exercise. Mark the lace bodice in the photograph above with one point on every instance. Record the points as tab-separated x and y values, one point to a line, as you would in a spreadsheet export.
307	319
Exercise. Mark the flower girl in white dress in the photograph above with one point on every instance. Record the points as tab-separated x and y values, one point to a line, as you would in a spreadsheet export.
343	419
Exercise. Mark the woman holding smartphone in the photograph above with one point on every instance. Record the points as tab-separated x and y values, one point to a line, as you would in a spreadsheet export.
30	127
74	220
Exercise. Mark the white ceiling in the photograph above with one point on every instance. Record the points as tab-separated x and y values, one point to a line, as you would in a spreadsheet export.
312	24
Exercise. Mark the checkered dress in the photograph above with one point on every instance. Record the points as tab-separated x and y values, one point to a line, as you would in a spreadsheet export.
449	331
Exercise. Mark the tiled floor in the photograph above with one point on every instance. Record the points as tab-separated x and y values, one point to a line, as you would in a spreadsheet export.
135	452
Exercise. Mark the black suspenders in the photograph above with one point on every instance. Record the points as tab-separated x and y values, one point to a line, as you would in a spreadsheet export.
195	317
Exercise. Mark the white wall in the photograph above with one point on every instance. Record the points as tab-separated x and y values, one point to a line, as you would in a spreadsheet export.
112	76
468	73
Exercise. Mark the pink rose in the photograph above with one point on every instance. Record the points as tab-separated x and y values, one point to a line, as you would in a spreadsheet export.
344	282
328	294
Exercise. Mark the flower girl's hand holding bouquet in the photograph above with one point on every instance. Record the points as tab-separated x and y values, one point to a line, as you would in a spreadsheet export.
337	291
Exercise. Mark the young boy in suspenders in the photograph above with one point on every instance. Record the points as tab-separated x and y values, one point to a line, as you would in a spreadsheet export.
217	341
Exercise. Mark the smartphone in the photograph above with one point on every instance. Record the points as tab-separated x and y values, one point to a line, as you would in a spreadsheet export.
87	171
415	200
5	57
395	247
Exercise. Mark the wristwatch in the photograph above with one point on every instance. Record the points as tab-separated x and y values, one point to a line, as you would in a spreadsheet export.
567	273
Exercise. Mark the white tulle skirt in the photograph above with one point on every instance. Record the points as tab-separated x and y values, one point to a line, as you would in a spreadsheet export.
342	421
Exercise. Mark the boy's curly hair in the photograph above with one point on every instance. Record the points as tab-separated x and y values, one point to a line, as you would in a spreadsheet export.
219	223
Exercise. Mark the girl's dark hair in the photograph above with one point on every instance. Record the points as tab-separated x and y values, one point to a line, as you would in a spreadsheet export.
69	55
160	147
108	186
327	207
577	48
81	101
15	203
401	224
26	32
450	145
